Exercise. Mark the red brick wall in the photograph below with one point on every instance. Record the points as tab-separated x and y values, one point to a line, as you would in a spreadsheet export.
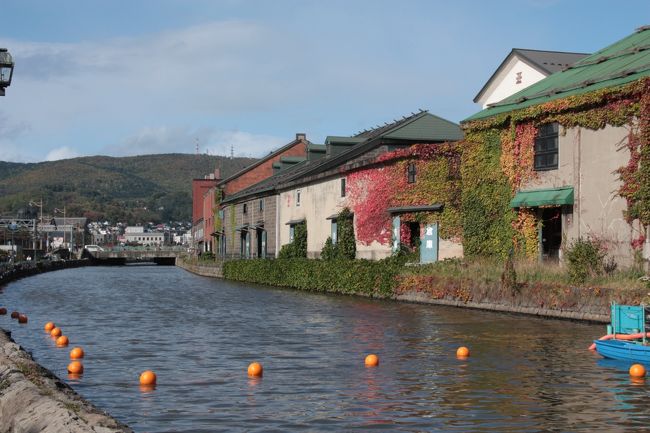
208	215
262	171
199	187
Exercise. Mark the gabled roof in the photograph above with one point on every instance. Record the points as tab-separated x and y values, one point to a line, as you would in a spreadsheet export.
266	185
266	158
421	126
622	62
546	62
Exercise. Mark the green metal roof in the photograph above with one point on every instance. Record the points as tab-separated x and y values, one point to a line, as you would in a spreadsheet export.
317	148
428	127
622	62
543	197
334	139
292	159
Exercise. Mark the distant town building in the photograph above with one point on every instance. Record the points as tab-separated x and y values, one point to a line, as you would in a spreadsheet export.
137	234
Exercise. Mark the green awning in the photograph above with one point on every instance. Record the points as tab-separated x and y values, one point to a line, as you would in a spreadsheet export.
543	197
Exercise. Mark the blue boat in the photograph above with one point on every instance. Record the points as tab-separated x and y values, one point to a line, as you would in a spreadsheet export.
623	350
626	337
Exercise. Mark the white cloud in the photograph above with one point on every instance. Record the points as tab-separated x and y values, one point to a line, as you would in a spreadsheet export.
64	152
240	83
164	139
243	143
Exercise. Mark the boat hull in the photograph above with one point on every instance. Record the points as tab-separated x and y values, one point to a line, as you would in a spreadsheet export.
623	350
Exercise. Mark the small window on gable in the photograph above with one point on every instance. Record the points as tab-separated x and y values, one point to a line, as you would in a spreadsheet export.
261	205
298	198
244	208
343	187
546	147
411	172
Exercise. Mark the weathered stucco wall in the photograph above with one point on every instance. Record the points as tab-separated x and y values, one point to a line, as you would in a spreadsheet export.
587	160
317	202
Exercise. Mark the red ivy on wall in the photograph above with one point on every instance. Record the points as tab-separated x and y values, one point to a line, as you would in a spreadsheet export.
374	189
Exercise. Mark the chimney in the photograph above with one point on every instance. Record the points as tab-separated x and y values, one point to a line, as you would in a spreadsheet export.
217	173
301	136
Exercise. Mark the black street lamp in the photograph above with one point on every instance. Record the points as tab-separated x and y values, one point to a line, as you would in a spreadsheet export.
6	70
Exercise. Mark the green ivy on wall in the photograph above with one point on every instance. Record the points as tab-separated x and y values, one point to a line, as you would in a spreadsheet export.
486	214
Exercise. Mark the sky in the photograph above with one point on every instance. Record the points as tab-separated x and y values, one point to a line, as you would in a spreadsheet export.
133	77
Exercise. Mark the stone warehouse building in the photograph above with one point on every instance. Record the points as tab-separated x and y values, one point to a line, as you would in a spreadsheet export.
572	152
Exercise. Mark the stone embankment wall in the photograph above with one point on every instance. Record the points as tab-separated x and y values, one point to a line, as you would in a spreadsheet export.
33	399
575	313
214	270
553	302
11	272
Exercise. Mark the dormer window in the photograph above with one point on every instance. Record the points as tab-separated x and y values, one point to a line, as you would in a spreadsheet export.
546	147
411	172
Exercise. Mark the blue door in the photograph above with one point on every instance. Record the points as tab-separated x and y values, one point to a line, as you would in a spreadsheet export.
429	244
396	233
263	244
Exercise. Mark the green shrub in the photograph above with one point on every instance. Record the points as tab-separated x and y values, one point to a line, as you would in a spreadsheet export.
347	244
585	259
362	277
329	251
298	247
346	247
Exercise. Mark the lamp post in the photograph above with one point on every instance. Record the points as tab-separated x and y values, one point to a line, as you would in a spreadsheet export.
6	70
40	222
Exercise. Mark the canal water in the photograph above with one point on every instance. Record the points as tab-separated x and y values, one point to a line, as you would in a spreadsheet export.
200	334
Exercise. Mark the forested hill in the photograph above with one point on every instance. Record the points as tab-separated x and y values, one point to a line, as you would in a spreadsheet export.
130	189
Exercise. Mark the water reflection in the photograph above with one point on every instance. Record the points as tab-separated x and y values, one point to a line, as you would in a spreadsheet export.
198	335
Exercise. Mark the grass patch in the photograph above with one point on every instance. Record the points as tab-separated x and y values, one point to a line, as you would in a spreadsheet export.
32	373
489	271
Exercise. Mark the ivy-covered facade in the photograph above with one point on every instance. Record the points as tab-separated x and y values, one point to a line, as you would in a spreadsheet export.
566	158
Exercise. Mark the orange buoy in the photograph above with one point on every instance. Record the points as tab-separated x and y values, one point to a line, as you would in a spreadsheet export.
22	318
62	341
56	332
3	311
15	314
75	367
372	360
637	370
462	352
49	326
77	353
148	378
255	369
